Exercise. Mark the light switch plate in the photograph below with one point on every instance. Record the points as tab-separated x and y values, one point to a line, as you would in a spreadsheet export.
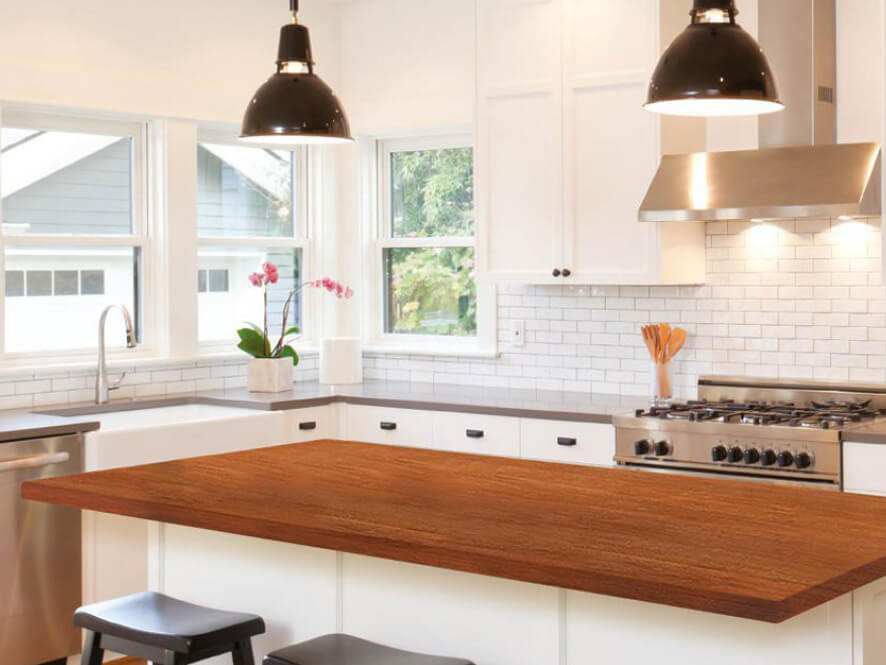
518	334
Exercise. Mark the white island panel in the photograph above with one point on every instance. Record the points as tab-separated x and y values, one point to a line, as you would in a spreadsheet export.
304	592
603	629
292	587
491	621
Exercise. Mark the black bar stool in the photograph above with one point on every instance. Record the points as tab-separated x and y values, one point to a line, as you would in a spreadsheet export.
349	650
165	631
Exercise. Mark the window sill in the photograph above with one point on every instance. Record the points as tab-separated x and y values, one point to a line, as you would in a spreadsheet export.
24	367
445	351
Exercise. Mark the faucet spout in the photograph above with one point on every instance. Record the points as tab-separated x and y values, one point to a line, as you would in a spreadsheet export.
102	385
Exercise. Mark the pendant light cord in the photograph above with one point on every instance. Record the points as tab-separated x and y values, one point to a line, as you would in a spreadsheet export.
293	7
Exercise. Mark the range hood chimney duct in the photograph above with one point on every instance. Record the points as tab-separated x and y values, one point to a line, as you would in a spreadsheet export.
799	171
799	37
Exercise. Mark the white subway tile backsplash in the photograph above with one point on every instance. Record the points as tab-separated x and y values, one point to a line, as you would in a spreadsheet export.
801	299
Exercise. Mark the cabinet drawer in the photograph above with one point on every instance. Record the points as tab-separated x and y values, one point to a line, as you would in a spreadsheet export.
864	468
311	424
563	441
396	427
472	433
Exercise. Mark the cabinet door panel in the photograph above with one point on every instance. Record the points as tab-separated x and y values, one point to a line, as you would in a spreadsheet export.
519	139
519	43
604	37
311	424
864	468
393	427
611	161
476	433
523	184
569	442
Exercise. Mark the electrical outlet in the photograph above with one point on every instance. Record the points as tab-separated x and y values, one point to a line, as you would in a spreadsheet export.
518	334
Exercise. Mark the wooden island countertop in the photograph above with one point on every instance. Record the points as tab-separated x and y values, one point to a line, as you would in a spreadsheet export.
744	549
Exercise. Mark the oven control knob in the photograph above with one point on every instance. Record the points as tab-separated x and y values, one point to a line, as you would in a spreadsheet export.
768	457
785	458
804	460
662	449
751	456
642	447
735	455
718	453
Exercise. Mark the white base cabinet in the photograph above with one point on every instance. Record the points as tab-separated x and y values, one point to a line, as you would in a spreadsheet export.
479	434
390	426
547	440
569	442
864	468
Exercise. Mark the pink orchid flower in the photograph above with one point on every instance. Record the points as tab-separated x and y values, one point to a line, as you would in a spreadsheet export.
257	279
271	274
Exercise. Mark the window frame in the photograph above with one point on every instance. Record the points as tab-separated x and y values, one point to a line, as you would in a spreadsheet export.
301	239
140	238
380	238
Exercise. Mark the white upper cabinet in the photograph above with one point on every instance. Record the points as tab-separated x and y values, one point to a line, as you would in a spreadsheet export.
519	138
565	150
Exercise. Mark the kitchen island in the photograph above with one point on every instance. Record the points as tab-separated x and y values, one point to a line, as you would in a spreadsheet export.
509	561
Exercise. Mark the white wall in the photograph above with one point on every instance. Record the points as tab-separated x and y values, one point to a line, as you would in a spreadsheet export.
199	59
407	64
860	104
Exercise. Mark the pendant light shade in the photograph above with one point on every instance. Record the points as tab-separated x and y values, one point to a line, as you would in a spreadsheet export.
713	68
295	106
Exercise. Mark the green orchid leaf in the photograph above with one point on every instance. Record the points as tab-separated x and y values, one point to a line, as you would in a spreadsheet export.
252	342
291	331
289	352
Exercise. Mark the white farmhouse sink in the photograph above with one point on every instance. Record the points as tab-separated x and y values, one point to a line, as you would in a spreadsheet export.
167	415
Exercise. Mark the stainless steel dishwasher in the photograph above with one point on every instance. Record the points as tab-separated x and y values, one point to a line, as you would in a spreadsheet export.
40	553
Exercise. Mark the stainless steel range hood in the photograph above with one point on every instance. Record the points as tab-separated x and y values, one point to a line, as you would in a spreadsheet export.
799	171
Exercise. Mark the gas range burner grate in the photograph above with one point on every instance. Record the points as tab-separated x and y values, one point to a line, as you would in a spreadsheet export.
815	414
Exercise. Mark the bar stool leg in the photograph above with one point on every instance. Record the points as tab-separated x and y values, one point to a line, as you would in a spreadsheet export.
242	653
93	654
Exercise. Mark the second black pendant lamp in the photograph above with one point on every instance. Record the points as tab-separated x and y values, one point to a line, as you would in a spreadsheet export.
295	106
713	68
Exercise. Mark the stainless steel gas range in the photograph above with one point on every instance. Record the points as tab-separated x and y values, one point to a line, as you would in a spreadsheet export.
775	431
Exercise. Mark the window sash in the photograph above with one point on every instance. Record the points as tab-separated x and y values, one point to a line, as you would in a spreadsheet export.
299	174
381	238
139	237
387	148
300	240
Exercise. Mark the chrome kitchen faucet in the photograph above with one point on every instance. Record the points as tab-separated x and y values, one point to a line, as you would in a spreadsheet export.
102	388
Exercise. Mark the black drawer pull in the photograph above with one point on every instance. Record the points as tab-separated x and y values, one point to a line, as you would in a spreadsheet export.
388	427
566	441
304	427
474	433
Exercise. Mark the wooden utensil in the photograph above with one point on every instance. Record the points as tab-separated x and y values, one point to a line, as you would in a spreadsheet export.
678	339
665	334
646	331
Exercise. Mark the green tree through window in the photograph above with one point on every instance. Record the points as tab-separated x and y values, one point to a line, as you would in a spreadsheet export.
430	290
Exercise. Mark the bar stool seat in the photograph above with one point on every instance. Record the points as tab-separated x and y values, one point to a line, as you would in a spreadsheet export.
348	650
165	630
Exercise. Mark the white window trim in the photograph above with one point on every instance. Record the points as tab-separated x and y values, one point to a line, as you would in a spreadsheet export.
375	161
141	236
303	240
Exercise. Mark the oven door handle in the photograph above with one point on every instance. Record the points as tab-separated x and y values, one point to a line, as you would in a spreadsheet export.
35	462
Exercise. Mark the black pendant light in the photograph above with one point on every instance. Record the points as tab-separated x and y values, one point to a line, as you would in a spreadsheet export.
713	68
295	106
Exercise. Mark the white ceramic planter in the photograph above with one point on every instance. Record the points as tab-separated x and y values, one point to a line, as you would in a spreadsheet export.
270	375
